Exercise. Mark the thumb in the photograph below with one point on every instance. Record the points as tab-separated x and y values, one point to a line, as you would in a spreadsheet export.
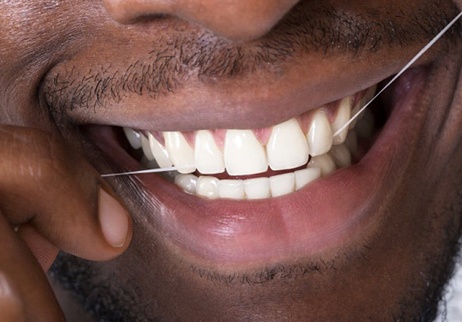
60	195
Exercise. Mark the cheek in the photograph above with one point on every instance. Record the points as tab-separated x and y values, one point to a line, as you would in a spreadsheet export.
25	26
33	35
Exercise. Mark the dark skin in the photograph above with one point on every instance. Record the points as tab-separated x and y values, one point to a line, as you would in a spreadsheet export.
255	57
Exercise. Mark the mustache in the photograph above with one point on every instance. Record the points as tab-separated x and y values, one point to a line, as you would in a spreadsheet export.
176	58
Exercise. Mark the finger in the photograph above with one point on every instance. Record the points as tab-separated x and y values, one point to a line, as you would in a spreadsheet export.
10	304
60	195
44	251
26	294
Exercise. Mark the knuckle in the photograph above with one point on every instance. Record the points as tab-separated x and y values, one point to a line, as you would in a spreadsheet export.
30	154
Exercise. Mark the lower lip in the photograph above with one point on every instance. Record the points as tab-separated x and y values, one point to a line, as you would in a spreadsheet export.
329	213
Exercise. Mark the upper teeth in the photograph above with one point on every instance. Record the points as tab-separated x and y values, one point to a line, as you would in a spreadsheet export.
248	152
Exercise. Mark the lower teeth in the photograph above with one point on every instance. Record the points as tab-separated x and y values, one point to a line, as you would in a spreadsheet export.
264	187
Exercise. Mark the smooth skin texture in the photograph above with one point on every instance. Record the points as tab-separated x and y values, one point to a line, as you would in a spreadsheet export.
55	57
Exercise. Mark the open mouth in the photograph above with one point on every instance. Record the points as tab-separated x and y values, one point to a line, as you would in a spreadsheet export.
287	191
260	163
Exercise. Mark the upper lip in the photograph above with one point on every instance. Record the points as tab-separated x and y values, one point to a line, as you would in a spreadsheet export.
212	106
275	91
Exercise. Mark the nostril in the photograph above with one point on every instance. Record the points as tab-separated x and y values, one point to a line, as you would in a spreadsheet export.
130	11
237	20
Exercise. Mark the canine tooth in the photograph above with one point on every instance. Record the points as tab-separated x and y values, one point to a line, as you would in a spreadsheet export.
207	187
243	153
160	152
305	176
146	148
341	155
181	154
342	117
287	147
231	189
324	162
209	158
187	182
258	188
370	93
133	137
282	184
319	136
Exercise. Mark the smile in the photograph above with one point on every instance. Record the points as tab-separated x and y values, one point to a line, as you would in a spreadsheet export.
215	163
274	193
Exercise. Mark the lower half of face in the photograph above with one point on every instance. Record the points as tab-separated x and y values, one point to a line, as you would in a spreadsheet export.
382	247
275	212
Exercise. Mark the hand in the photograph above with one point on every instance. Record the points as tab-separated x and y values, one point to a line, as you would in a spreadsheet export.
50	200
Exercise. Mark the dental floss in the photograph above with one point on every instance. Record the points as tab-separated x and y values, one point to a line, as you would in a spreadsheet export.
408	65
138	172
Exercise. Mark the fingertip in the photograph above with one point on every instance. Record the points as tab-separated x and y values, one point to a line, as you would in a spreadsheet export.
114	220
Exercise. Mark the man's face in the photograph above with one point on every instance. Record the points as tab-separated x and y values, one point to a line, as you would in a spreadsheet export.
371	239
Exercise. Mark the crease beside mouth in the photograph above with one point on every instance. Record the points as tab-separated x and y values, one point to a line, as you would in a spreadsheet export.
264	163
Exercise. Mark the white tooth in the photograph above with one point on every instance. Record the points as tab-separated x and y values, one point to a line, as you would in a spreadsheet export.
304	177
187	182
231	189
243	153
319	136
324	162
282	184
209	158
370	93
148	164
341	155
207	187
354	111
258	188
133	137
342	117
287	147
160	152
181	154
146	148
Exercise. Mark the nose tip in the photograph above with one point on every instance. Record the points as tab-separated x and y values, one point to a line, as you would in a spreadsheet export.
233	19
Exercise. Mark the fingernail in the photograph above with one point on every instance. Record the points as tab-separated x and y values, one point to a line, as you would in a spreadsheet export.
113	219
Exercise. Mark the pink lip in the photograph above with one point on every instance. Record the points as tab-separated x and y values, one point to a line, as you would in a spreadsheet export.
323	216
